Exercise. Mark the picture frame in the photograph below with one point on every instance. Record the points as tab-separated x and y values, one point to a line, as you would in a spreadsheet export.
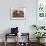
17	13
40	12
41	9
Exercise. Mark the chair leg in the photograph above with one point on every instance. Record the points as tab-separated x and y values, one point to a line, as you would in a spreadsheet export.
5	40
17	39
5	43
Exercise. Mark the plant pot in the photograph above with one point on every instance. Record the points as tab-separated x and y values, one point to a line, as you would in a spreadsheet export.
42	40
38	40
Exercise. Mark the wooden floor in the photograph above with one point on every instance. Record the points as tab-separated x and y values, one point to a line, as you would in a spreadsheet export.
13	44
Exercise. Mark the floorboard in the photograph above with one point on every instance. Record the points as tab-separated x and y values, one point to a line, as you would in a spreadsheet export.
13	44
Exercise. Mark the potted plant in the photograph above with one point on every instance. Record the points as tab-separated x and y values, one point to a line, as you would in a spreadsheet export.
39	35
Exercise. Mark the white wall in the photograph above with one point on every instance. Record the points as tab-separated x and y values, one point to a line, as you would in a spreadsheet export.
24	25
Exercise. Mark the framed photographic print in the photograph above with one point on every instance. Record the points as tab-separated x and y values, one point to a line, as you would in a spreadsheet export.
41	9
17	13
41	12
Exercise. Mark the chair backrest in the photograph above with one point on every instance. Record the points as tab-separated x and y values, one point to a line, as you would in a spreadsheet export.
14	30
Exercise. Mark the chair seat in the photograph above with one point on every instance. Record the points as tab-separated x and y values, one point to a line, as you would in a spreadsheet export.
9	34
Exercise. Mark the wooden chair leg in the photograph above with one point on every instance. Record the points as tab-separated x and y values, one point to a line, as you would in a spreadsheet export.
5	43
17	39
5	39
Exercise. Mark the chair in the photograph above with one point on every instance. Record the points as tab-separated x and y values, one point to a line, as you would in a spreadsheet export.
26	41
14	32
